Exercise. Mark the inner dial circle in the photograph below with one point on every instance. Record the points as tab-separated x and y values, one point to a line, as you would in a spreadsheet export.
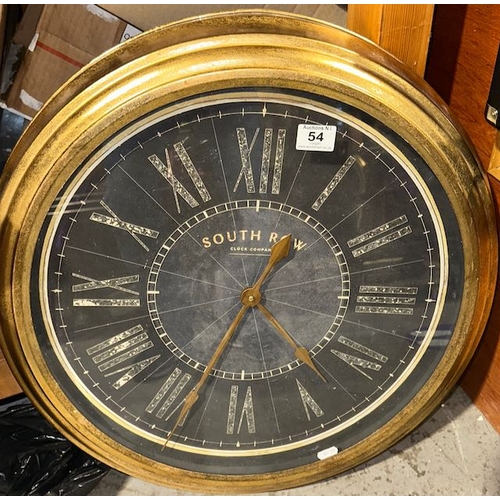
197	277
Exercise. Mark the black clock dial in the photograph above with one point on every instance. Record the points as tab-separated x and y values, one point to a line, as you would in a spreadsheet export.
150	244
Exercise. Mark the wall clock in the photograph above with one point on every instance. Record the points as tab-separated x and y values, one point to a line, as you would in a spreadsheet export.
243	253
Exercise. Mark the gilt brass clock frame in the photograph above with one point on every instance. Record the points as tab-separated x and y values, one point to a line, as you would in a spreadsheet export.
246	49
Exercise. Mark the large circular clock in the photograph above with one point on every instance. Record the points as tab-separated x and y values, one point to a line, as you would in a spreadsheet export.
243	252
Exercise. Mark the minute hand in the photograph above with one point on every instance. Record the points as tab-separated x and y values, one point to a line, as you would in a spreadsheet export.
300	352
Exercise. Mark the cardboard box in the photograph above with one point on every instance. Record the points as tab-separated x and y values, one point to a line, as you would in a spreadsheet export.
61	39
66	38
148	16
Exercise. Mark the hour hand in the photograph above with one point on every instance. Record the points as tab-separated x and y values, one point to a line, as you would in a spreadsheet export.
300	352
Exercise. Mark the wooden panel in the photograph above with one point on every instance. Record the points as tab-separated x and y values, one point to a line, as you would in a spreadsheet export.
462	56
403	30
482	378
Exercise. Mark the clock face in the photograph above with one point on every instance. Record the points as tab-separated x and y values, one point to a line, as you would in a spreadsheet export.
140	270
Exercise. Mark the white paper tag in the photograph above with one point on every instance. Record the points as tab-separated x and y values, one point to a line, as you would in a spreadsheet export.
130	32
316	137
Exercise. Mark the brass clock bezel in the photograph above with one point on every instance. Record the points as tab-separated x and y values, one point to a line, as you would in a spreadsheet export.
234	50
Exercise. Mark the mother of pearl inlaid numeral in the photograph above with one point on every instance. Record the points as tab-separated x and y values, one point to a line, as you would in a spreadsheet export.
247	411
113	283
167	172
175	383
120	348
333	183
379	236
360	363
114	221
246	171
386	300
308	402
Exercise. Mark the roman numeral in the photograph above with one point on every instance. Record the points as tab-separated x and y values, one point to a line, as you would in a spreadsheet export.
333	183
379	236
178	188
246	411
114	284
119	349
360	364
113	220
171	388
246	171
386	300
308	402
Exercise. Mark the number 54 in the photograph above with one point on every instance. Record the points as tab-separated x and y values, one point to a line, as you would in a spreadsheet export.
315	136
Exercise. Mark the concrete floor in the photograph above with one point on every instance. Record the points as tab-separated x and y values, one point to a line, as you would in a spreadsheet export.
455	452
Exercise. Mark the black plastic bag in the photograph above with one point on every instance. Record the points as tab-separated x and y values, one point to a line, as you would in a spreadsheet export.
36	460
